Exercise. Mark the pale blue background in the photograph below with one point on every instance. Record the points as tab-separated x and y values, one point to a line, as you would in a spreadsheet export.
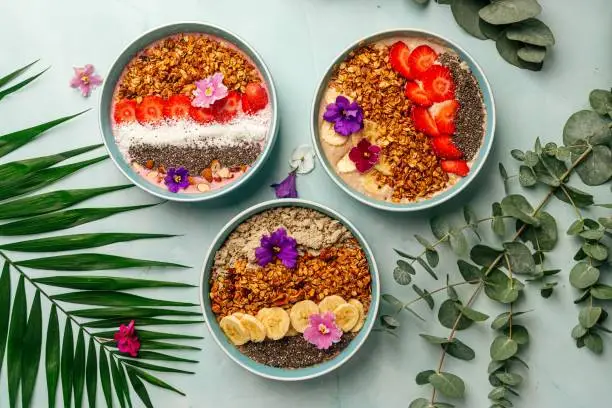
297	39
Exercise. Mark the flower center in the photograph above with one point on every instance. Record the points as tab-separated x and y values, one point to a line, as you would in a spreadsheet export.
366	155
276	249
85	79
209	91
177	179
323	329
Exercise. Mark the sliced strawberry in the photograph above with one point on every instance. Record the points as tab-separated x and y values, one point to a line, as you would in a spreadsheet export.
398	57
424	122
256	97
439	83
227	108
150	110
125	111
417	94
177	107
445	148
458	167
202	115
421	58
445	116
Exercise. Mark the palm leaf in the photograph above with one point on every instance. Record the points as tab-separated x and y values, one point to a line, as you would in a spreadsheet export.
161	345
91	262
53	201
154	380
17	330
154	367
5	308
129	312
124	385
140	389
117	381
32	344
20	85
8	78
42	178
66	363
63	219
106	283
13	141
106	323
78	370
22	167
109	298
52	356
91	373
77	241
154	355
151	335
105	378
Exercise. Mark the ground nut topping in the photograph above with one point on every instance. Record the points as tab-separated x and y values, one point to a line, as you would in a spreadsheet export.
368	78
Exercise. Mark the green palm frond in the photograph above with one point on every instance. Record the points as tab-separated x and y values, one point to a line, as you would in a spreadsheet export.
82	355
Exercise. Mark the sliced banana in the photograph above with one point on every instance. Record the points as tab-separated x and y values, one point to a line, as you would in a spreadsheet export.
346	165
362	317
234	330
262	313
256	329
384	168
370	184
330	303
300	313
329	135
277	322
292	332
347	316
238	315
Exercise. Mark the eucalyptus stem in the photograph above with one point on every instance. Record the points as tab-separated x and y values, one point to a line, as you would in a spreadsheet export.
445	287
576	210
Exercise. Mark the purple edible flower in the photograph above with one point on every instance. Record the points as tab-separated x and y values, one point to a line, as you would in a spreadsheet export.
177	179
286	188
346	116
278	245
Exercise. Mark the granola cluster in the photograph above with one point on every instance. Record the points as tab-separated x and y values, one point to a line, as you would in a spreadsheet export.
342	271
367	77
174	64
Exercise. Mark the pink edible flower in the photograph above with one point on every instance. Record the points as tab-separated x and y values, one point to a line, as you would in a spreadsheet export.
85	79
322	330
208	91
127	340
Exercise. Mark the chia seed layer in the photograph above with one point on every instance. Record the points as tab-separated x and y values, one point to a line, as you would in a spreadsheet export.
293	351
195	159
471	115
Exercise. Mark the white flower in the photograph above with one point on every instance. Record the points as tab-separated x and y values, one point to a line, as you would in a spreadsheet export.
302	159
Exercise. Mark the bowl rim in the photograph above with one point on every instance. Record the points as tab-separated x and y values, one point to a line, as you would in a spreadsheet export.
195	27
232	224
484	151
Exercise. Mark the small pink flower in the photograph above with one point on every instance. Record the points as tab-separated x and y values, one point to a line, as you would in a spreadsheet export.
209	90
322	330
85	79
127	340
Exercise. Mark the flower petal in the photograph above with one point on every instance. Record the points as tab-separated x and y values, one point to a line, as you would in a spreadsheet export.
332	113
342	102
306	166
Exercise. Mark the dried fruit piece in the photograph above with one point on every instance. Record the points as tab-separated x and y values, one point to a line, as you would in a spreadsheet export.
215	166
416	94
439	84
458	167
177	107
151	110
424	122
421	58
125	111
445	148
445	116
149	164
398	57
207	174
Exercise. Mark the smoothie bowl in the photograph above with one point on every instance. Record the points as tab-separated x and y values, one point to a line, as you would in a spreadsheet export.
289	289
403	120
188	112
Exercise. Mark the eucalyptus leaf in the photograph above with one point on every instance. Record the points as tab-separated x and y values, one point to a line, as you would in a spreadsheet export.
14	348
526	176
389	322
601	101
531	31
503	320
52	356
598	252
509	49
423	241
427	268
517	206
32	343
503	348
92	262
498	393
495	366
500	288
111	298
420	402
575	228
517	154
433	258
458	242
606	222
62	220
509	11
573	195
589	316
532	53
5	308
519	257
596	169
469	272
578	331
543	237
459	350
484	255
447	384
466	15
519	334
392	300
15	140
422	378
601	291
531	158
106	283
586	125
594	235
425	295
594	342
402	273
404	254
492	32
450	317
510	379
434	339
439	228
472	314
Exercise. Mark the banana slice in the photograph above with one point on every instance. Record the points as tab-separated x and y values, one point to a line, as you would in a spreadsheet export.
277	322
370	184
262	313
346	165
256	329
384	168
330	303
234	330
238	315
329	135
292	332
362	317
300	312
347	316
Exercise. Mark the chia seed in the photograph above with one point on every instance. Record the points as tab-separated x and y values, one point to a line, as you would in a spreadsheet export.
470	118
293	351
195	159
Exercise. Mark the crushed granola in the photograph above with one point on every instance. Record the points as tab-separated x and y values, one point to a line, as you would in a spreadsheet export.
174	64
342	271
367	77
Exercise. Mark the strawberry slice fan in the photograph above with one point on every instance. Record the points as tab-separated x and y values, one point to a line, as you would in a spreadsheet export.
431	88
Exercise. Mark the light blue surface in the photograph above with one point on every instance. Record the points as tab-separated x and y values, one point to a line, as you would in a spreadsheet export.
275	373
478	161
298	39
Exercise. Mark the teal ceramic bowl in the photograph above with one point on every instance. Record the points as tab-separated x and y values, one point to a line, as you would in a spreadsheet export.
478	161
113	76
275	373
